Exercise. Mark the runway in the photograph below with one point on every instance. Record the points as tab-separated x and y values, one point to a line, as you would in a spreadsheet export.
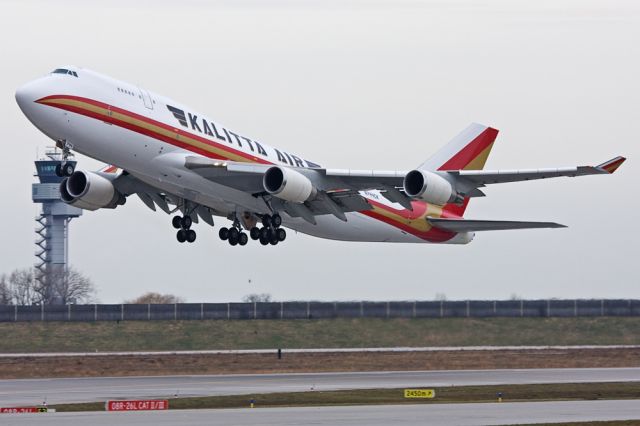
379	415
56	391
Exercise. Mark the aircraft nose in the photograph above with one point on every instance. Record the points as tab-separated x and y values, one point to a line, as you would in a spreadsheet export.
26	96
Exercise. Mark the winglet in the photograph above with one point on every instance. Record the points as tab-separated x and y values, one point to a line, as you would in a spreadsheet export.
611	165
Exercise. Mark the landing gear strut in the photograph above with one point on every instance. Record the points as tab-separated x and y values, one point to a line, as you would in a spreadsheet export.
65	168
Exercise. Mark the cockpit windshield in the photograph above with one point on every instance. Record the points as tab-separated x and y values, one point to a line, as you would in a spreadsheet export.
64	71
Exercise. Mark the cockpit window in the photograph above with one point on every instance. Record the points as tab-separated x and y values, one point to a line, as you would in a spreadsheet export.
64	71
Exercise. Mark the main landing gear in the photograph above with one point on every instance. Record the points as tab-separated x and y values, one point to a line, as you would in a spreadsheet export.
183	225
234	235
270	233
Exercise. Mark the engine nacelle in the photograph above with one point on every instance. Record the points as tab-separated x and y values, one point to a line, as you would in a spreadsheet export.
428	187
90	191
288	184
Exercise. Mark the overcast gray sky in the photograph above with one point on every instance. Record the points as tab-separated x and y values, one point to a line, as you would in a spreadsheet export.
355	84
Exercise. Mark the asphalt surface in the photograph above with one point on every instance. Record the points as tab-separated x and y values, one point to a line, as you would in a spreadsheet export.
440	414
56	391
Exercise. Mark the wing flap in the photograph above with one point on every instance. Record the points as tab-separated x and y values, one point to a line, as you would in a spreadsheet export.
464	225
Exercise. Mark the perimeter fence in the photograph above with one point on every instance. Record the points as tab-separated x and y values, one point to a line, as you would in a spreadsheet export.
323	310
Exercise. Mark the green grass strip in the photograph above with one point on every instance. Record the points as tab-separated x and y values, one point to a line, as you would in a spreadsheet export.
455	394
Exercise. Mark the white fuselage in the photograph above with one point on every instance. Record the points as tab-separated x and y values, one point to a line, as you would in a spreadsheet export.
159	160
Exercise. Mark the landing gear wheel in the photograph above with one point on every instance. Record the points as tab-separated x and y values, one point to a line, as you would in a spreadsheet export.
186	222
264	233
273	242
276	220
264	241
191	235
223	233
233	237
266	221
281	233
181	235
59	170
243	239
67	169
254	233
176	222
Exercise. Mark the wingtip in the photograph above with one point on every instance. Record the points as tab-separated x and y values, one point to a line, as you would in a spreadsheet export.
611	165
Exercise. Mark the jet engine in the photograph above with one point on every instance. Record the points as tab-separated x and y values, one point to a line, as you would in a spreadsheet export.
90	191
288	184
428	187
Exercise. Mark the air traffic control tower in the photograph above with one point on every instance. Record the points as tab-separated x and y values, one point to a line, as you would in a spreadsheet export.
53	221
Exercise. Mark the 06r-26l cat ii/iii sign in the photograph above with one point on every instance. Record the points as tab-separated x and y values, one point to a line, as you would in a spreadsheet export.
181	161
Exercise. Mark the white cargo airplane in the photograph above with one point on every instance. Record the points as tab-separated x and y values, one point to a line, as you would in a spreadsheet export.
181	161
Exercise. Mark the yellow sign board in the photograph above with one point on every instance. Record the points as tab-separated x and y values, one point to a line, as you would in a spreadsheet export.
419	393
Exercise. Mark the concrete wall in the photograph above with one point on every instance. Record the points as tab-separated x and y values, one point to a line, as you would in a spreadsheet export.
323	310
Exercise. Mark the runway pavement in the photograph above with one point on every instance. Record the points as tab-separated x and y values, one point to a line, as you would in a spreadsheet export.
439	414
55	391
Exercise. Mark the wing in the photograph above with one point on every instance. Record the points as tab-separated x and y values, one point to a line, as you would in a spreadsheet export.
339	190
464	225
153	197
480	178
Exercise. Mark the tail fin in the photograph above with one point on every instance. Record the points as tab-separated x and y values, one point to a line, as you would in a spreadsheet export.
467	151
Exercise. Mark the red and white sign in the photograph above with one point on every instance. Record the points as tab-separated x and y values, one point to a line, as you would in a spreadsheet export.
14	410
137	405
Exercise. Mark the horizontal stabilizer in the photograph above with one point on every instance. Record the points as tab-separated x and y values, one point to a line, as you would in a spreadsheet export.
464	225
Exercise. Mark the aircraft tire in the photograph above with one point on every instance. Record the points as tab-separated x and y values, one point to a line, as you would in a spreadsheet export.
181	236
276	220
191	235
176	222
67	169
243	239
223	233
254	233
281	233
186	222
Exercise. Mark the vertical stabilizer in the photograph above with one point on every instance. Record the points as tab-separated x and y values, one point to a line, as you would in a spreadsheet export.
469	150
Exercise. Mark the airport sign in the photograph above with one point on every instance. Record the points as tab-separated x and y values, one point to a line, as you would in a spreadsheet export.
137	405
419	393
15	410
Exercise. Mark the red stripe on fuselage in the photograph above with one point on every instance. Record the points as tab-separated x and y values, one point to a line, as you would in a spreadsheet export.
110	119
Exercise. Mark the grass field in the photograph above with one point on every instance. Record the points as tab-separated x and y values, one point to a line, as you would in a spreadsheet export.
335	333
457	394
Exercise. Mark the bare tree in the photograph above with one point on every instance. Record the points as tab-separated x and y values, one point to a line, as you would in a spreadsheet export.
254	297
68	286
152	297
440	297
23	287
5	293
